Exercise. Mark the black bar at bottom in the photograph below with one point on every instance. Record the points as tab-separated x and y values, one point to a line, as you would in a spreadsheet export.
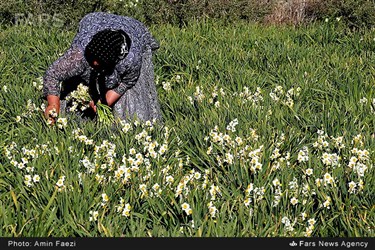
186	243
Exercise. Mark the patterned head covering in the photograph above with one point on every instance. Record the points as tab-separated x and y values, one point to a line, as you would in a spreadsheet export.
106	48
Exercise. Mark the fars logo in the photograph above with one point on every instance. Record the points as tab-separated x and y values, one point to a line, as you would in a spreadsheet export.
293	244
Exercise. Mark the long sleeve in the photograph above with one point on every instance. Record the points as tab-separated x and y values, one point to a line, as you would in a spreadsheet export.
128	80
127	74
70	64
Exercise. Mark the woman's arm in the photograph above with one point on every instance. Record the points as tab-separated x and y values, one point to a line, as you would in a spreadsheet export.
111	96
124	78
68	65
128	71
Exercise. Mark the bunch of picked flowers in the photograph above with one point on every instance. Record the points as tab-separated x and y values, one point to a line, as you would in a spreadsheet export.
104	112
79	100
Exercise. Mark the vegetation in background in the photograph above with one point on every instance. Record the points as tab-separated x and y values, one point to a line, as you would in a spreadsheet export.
355	14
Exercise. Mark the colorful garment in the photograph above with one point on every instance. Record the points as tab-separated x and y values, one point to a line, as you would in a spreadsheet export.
132	77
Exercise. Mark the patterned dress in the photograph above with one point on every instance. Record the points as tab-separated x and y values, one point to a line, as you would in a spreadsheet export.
132	78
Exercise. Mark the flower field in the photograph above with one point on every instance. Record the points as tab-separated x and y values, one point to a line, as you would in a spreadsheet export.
268	131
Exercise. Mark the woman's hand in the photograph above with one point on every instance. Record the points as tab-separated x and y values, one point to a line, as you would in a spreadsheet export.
111	97
52	109
93	106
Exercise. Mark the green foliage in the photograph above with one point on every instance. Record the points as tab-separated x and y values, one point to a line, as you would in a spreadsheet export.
105	115
355	14
241	105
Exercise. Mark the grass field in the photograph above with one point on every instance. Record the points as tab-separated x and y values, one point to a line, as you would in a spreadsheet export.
268	131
